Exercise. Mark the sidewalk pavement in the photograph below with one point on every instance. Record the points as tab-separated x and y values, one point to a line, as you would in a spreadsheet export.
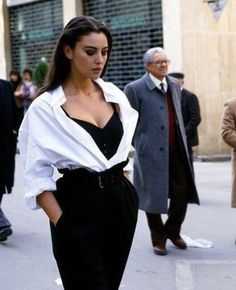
27	262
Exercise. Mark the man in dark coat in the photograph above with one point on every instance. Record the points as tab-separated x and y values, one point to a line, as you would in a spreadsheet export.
191	113
162	168
8	138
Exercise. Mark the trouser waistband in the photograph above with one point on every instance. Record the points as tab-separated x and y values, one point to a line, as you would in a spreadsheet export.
102	179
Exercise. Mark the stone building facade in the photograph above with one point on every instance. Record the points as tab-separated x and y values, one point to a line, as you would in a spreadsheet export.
199	37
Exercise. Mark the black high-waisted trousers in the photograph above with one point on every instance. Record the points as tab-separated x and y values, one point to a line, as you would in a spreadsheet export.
93	237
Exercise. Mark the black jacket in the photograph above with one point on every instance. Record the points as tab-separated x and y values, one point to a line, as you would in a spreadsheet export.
8	123
191	116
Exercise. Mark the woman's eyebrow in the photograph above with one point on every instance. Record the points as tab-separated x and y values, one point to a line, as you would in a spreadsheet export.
93	47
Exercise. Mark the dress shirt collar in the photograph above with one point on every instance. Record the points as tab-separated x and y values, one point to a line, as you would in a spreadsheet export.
157	82
111	94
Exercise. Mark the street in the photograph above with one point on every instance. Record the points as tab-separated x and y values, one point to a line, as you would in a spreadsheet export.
27	262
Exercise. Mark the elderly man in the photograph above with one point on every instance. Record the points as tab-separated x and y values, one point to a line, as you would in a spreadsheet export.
162	169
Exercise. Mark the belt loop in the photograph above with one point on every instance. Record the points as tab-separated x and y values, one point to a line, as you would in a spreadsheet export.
100	181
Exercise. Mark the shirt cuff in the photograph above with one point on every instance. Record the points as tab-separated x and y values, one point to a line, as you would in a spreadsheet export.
35	189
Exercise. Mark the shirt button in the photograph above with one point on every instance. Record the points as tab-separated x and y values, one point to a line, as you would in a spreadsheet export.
161	149
161	107
162	127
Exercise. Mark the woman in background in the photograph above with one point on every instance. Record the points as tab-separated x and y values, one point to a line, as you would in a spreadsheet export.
16	82
27	92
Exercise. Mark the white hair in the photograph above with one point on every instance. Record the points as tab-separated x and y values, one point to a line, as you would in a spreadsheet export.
147	57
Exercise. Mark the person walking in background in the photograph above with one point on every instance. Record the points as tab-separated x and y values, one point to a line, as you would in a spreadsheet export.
16	82
162	167
27	90
191	113
15	79
83	126
228	134
8	137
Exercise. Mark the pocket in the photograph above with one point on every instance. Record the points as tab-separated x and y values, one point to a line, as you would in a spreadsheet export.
61	224
133	192
130	184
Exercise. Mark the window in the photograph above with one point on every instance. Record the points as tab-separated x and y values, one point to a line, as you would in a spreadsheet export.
135	27
34	29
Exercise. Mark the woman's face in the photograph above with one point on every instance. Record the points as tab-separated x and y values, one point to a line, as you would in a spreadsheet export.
89	55
27	76
14	77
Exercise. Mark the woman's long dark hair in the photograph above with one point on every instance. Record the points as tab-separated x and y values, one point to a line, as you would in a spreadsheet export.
77	27
16	83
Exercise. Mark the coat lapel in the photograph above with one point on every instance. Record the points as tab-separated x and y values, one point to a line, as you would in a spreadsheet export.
150	84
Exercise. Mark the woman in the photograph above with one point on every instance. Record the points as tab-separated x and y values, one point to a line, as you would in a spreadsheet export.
83	126
27	91
15	79
16	82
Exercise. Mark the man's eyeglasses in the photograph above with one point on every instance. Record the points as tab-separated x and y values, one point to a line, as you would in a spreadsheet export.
161	62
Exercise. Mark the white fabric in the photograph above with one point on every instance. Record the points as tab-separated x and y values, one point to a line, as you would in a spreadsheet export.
58	281
197	243
48	139
158	82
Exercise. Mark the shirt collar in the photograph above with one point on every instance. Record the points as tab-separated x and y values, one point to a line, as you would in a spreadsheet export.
111	93
58	97
157	82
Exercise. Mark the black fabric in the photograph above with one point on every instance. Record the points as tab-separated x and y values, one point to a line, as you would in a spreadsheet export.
8	123
191	116
94	179
162	88
92	239
107	138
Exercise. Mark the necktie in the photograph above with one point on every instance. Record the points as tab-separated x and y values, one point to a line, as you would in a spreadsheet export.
162	88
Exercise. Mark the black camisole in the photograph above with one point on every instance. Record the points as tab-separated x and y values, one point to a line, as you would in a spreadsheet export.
107	138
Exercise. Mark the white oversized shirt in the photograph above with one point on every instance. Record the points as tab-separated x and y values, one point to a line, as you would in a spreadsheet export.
48	139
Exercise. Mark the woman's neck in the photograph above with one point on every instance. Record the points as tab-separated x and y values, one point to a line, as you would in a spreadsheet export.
86	87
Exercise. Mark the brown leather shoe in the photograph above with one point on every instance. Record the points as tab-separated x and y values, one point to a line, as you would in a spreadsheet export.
179	243
160	249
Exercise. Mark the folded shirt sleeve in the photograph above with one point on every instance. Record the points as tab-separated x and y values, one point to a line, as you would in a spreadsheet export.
37	171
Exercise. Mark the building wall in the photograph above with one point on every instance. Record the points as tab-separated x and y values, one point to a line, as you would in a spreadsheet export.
208	59
69	10
197	43
5	51
172	30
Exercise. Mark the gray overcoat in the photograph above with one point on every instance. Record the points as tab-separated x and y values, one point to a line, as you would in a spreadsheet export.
151	163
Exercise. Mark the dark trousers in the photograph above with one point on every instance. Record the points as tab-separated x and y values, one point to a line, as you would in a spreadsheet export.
178	195
190	153
4	222
93	237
